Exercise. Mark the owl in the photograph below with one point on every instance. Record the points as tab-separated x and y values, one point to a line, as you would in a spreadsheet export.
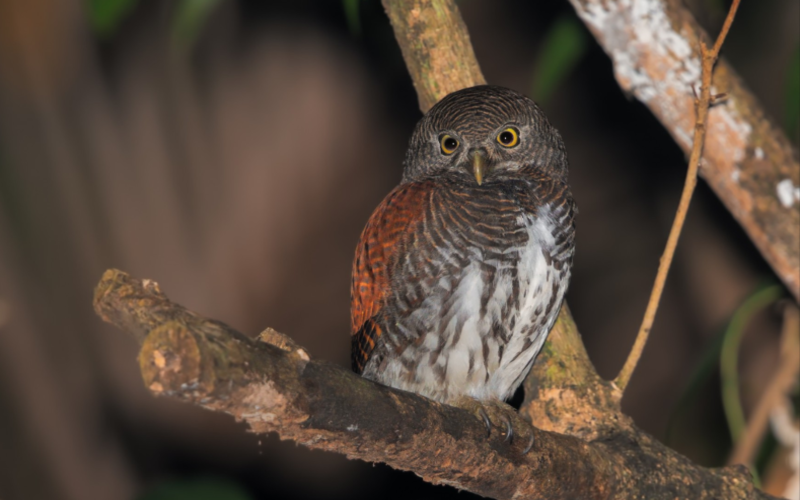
460	272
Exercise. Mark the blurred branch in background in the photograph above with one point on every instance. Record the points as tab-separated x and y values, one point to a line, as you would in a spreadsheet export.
782	476
748	161
748	438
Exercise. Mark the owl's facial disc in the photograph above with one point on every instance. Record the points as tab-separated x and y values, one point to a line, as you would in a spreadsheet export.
486	133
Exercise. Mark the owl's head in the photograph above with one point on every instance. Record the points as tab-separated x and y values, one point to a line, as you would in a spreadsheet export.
484	133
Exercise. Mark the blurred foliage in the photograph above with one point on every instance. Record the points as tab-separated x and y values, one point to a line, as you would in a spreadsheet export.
189	19
352	16
197	489
729	360
792	118
729	357
730	336
699	378
106	15
561	50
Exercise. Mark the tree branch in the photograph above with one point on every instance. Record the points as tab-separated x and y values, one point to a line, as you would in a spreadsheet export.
322	406
435	46
703	104
747	161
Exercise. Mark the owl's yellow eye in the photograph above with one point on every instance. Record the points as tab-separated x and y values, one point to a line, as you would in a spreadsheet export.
508	137
449	144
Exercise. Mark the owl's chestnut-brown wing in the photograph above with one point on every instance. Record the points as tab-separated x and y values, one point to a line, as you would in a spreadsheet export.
383	237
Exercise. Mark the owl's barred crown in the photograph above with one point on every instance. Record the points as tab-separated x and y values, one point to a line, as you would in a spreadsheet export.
474	117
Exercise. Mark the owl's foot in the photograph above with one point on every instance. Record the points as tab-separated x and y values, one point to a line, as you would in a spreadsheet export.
495	413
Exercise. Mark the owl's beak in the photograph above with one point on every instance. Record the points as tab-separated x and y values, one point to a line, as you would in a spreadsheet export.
479	167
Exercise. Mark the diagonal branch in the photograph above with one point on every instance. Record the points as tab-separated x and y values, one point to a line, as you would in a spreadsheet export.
322	406
747	161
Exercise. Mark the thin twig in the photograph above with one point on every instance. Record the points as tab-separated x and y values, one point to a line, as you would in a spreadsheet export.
702	104
780	384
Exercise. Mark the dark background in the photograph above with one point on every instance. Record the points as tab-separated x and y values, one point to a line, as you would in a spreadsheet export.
234	159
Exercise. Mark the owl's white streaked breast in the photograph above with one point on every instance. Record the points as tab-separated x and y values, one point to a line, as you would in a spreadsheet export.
485	356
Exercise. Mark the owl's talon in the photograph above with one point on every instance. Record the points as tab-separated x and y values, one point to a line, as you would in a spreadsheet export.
509	429
486	420
529	447
496	413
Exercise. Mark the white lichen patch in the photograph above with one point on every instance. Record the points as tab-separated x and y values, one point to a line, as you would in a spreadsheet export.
788	193
265	400
259	416
728	133
352	427
660	67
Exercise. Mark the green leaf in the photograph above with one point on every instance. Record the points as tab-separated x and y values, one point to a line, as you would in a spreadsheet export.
197	489
352	15
190	17
792	118
106	15
563	47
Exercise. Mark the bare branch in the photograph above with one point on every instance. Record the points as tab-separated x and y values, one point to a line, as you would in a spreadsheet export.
435	46
747	161
323	406
702	105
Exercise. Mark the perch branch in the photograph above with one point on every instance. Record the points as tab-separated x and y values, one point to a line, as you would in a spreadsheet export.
702	105
322	406
747	160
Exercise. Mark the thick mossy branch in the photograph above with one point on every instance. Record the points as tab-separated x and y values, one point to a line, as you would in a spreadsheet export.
564	393
279	388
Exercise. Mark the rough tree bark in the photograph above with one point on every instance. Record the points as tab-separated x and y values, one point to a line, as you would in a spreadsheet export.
747	160
585	447
274	386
